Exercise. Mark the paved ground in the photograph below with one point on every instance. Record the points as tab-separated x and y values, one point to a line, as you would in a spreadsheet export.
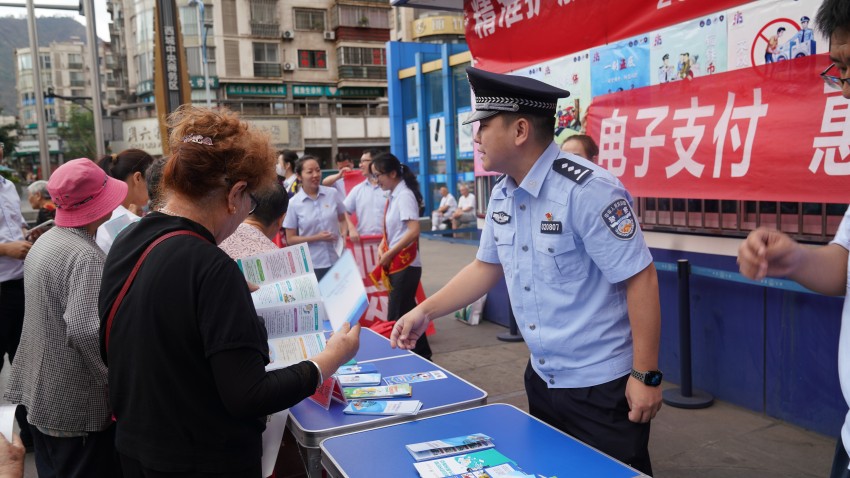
723	441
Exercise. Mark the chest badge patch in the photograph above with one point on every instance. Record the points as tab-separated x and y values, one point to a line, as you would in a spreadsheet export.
620	219
549	226
500	217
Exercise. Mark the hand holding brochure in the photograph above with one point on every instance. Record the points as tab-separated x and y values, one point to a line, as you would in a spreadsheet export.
386	391
449	446
383	407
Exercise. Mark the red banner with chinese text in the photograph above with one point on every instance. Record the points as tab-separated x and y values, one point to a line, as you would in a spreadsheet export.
772	133
504	35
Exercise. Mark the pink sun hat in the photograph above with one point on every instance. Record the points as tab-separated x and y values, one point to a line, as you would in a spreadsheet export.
83	193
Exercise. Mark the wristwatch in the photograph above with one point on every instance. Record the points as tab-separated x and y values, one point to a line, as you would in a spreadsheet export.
651	378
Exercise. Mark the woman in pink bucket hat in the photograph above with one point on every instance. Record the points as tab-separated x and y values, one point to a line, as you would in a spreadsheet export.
58	374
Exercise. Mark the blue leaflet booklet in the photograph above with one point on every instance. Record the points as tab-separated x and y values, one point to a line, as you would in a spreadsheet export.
449	446
359	379
383	407
357	368
343	292
461	464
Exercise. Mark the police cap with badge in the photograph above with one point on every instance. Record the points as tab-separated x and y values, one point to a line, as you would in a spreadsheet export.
495	93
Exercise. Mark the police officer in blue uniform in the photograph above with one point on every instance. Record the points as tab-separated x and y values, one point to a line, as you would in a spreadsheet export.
583	288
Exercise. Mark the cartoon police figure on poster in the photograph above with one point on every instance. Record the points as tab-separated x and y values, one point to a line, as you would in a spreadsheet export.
773	31
689	50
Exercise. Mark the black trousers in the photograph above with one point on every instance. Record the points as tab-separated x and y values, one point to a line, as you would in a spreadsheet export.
598	416
11	324
11	317
83	457
840	462
402	299
132	468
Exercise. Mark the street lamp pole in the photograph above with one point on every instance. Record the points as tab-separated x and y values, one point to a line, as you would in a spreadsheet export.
97	102
202	37
44	152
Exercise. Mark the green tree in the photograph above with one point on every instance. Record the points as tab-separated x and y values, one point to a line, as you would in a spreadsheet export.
9	138
78	134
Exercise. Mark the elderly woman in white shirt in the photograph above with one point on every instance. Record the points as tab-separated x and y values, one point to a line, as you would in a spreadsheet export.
316	216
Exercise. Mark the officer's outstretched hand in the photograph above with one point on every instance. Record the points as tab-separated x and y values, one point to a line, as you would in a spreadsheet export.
644	401
408	329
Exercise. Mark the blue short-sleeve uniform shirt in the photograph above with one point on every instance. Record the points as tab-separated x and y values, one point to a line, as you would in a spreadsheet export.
403	207
566	246
368	201
311	216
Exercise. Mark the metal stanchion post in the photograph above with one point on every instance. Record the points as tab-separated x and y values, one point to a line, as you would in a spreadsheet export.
513	332
686	396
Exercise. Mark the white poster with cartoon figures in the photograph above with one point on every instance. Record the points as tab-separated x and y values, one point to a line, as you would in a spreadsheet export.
571	73
771	31
689	50
412	130
437	136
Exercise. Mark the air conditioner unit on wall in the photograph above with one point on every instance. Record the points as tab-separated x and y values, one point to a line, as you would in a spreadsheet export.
288	67
330	35
287	35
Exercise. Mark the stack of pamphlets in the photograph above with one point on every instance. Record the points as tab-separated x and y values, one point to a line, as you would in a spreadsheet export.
359	379
487	463
357	368
449	446
383	407
385	391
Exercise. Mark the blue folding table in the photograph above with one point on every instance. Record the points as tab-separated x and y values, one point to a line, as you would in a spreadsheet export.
310	423
537	448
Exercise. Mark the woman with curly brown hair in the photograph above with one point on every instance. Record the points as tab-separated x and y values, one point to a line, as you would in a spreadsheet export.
185	348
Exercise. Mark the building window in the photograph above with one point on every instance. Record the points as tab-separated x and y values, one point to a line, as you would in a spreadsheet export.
193	61
189	20
45	62
264	18
266	60
312	59
354	16
75	61
77	78
313	20
24	62
362	56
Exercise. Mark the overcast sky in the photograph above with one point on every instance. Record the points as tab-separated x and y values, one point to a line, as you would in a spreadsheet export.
101	16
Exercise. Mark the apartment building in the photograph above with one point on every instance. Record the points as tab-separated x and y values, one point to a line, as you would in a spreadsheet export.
313	73
65	71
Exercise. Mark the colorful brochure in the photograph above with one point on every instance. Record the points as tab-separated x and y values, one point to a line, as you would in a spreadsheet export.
357	368
359	379
289	303
385	391
415	377
383	407
461	464
343	292
449	446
